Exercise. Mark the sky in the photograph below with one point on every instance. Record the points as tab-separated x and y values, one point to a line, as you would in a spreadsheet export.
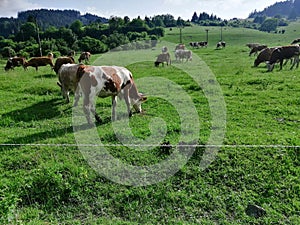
225	9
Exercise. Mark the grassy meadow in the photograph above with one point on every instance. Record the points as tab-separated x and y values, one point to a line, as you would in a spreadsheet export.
45	178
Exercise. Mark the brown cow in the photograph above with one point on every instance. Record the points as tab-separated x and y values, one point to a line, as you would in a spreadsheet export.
257	49
39	61
84	56
62	60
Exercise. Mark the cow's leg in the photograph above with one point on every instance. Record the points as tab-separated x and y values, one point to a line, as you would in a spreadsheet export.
114	105
127	100
86	109
281	62
76	94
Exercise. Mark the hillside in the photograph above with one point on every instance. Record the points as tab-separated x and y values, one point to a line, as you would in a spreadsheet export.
46	18
289	9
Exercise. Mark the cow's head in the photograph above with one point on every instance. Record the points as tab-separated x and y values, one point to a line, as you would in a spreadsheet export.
137	103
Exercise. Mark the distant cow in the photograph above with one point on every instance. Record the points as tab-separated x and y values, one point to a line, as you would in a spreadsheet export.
15	62
162	58
198	44
252	45
39	61
221	44
284	52
84	56
180	55
62	60
257	49
105	81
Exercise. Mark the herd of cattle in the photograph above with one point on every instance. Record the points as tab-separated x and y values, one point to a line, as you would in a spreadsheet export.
273	55
89	82
102	81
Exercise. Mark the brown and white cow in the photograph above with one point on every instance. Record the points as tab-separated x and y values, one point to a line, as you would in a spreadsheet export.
285	52
84	56
105	81
14	62
39	61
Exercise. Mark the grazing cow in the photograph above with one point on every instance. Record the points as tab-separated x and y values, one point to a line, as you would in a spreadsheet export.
284	52
257	49
183	54
252	45
162	58
194	44
221	44
84	56
263	56
105	81
203	43
14	62
62	60
39	61
198	44
68	81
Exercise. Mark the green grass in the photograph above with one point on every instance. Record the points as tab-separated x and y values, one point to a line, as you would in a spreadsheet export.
48	184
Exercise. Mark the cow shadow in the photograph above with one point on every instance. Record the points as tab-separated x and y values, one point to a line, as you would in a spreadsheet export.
46	76
39	111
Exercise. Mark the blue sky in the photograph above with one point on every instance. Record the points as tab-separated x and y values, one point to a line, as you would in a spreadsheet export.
226	9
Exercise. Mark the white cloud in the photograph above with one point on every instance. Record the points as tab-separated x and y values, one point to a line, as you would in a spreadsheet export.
10	8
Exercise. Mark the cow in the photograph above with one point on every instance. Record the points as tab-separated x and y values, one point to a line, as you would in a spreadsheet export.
203	43
257	49
84	56
39	61
15	62
252	45
105	81
221	44
198	44
284	52
68	81
263	56
183	54
62	60
194	44
162	58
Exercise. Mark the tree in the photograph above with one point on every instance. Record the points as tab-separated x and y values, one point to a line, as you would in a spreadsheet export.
269	25
195	18
27	31
76	27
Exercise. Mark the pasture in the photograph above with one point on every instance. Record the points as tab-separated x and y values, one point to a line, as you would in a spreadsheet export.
45	178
